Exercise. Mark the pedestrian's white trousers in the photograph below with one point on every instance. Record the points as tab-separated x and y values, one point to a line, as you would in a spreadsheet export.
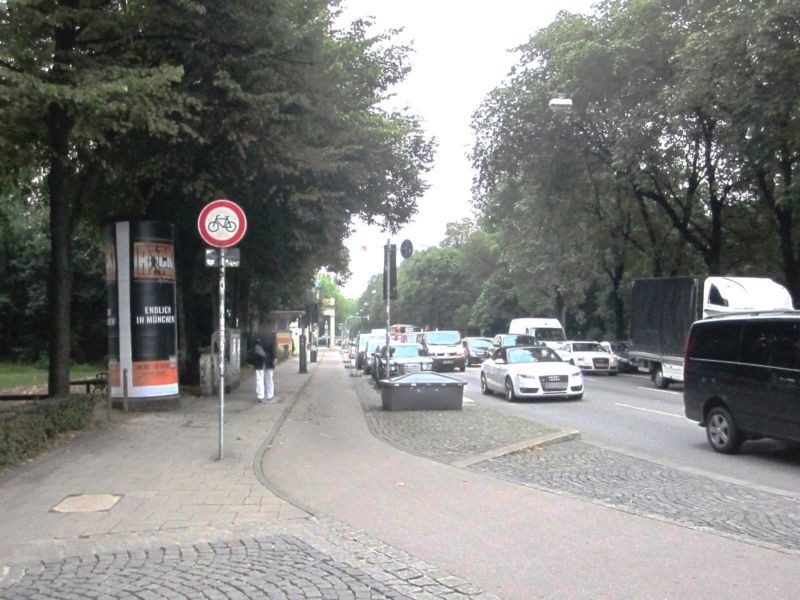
260	383
270	385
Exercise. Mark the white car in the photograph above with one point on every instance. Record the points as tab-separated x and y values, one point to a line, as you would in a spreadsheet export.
530	372
592	357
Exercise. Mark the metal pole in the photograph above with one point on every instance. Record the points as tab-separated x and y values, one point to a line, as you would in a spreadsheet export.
388	284
221	349
108	395
125	390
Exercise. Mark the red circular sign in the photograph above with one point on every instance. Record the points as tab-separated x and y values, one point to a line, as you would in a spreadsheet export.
222	223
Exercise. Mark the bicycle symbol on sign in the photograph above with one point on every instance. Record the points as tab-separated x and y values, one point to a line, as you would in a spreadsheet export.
223	221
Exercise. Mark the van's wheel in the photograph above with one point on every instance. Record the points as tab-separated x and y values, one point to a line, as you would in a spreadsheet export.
659	380
510	395
485	388
723	434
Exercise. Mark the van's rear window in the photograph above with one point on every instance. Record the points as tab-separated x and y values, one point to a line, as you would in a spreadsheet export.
717	341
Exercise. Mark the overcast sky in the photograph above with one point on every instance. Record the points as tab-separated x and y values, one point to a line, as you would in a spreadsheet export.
461	52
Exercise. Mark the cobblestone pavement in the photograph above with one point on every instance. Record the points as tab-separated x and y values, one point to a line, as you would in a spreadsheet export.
652	490
310	558
448	436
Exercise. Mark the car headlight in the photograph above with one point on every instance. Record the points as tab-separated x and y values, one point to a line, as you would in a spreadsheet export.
427	367
577	377
527	380
612	362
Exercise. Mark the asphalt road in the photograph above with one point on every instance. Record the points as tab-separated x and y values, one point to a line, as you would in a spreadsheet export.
628	414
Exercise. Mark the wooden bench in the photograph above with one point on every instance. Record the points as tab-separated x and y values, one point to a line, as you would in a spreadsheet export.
97	383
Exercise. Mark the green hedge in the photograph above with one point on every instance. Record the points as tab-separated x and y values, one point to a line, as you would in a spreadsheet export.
27	430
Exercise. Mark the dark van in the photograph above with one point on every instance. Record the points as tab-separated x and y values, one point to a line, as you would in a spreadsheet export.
742	378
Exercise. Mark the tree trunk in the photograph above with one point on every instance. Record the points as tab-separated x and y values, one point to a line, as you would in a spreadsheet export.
60	275
189	348
59	129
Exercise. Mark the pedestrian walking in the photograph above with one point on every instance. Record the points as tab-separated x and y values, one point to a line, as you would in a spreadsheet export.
257	357
270	360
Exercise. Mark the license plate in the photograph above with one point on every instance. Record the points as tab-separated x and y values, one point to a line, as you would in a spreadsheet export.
447	362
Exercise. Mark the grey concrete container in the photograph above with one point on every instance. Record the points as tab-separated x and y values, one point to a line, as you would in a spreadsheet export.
422	391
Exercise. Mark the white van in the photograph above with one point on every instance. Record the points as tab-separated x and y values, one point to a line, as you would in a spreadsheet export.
547	331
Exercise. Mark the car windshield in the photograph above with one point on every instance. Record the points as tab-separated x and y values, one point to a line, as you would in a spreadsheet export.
406	351
479	343
587	347
531	355
517	340
443	337
550	334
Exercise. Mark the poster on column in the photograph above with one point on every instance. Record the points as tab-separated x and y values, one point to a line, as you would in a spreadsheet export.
154	343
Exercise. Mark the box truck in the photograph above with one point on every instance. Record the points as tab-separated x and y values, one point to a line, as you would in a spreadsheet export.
663	309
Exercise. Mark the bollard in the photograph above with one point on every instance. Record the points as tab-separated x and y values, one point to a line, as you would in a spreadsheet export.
125	390
303	365
108	398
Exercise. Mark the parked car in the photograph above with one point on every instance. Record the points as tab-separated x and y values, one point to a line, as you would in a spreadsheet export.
373	346
361	354
591	357
476	349
404	358
530	372
742	378
444	347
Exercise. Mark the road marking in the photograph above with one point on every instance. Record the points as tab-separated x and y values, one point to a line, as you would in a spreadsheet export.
641	387
658	412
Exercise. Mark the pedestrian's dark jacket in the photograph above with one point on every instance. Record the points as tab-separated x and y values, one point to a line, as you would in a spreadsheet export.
271	353
262	355
257	356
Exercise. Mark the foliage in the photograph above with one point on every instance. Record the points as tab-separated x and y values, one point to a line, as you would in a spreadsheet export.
671	161
150	110
27	431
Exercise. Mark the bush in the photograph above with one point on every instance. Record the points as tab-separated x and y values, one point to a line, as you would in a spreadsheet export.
26	431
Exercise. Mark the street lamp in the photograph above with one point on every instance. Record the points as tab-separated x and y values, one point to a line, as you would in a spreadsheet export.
560	103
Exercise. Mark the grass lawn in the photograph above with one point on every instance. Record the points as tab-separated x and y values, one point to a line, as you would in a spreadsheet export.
14	376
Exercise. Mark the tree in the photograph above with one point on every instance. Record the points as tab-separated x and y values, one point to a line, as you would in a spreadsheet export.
151	110
66	76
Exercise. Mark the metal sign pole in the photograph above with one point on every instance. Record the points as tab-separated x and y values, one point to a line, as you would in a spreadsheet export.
388	288
221	349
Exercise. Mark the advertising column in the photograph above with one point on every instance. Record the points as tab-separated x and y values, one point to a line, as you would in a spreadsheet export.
146	316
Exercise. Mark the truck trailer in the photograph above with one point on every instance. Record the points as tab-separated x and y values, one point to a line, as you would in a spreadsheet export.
663	309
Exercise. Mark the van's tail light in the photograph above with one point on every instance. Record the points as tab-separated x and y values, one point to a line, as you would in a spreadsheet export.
688	347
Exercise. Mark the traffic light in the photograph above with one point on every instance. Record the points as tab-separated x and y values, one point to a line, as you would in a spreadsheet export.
391	277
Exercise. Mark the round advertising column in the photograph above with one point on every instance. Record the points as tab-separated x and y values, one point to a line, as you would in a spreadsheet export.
142	316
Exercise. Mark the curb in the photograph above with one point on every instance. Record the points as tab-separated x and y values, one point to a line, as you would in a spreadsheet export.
563	435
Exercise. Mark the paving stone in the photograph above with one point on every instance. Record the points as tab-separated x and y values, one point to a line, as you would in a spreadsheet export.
650	489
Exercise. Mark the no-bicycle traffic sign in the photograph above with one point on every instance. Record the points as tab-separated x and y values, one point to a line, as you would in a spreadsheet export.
222	223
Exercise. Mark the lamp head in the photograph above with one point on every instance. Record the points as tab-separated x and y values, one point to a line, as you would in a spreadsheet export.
560	104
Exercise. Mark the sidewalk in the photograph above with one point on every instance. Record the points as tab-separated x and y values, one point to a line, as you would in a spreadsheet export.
143	508
513	540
